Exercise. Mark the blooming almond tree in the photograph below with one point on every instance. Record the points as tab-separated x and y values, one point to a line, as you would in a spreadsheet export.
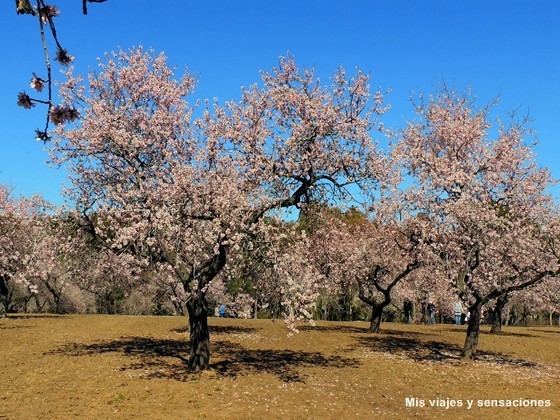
5	242
542	297
375	255
486	199
20	221
183	194
547	295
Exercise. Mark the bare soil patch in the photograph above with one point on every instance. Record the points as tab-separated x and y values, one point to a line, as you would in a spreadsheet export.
95	366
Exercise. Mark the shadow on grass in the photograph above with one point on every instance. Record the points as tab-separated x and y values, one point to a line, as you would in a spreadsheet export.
35	316
463	330
10	326
509	334
400	333
551	331
219	329
433	351
166	358
346	329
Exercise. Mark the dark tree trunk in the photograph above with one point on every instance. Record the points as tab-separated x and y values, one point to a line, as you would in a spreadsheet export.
56	296
473	332
425	316
498	314
3	306
375	322
199	358
377	308
4	295
178	308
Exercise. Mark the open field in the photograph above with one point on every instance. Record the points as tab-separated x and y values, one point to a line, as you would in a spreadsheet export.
94	366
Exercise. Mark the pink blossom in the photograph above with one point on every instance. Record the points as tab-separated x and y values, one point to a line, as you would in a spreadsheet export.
63	57
48	12
25	101
37	83
62	114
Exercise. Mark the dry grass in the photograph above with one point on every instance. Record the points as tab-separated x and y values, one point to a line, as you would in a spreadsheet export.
123	366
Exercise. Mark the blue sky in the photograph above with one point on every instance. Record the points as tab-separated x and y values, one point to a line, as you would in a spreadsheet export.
507	48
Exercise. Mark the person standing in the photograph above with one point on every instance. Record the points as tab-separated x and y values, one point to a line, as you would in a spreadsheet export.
458	311
408	311
432	313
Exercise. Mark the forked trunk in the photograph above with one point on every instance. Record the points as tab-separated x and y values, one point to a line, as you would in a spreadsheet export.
473	332
375	322
199	357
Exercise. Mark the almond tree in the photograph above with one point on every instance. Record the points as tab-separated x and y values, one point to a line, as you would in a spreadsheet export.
486	198
183	194
548	293
5	229
428	284
20	220
543	297
376	255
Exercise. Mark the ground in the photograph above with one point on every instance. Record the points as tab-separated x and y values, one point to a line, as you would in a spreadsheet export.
95	366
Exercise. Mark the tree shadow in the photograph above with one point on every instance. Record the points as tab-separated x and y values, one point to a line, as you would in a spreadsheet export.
434	351
400	333
509	334
166	358
346	329
8	326
219	329
33	316
282	363
548	331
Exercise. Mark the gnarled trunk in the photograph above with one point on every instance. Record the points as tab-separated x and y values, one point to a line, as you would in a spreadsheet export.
473	332
375	322
199	357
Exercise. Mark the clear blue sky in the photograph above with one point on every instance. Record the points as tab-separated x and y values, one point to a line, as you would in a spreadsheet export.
509	48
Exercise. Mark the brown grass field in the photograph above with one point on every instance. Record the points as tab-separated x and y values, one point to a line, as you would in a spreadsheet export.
103	367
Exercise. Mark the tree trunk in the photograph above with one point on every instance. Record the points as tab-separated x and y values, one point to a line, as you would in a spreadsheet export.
3	295
375	322
498	314
508	313
424	310
199	358
551	313
3	306
473	332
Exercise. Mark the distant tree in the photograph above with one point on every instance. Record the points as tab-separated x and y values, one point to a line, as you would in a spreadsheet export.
486	198
498	313
20	220
184	195
549	297
373	255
